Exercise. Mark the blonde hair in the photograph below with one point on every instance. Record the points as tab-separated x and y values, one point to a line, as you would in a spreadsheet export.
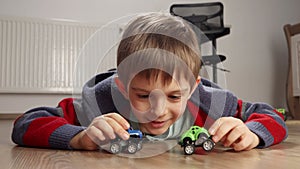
151	36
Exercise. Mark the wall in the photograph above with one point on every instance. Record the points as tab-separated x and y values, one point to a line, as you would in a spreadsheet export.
256	48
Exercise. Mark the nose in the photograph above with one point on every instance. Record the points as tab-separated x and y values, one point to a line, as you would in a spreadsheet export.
157	100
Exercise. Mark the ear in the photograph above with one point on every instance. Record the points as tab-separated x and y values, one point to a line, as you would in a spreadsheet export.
198	80
121	87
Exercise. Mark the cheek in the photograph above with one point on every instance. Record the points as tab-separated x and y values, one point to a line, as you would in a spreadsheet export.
136	103
140	106
178	109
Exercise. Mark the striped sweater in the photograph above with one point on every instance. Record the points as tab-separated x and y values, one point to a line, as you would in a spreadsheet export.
54	127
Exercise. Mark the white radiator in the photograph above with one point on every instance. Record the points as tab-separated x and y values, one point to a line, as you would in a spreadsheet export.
42	56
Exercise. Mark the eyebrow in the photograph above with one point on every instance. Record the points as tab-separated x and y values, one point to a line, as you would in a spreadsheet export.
147	91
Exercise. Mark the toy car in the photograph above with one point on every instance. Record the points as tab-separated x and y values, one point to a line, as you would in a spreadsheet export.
132	145
282	111
196	137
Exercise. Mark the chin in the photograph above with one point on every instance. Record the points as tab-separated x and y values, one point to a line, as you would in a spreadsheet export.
156	131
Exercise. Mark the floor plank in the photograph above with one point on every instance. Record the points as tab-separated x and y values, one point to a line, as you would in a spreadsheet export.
284	155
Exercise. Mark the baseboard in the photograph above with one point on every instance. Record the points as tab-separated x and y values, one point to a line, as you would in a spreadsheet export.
9	116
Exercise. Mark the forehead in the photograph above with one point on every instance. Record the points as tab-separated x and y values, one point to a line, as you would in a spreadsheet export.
157	59
159	79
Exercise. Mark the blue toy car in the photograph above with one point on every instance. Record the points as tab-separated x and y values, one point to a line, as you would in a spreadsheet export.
132	145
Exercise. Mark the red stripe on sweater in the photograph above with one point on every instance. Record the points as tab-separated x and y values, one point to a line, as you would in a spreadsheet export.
45	126
276	130
68	110
239	109
40	129
200	116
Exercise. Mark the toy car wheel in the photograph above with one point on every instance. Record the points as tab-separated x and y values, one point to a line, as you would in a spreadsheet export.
208	145
115	148
132	148
189	149
140	145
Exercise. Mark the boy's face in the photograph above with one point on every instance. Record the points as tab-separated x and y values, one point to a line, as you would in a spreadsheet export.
157	105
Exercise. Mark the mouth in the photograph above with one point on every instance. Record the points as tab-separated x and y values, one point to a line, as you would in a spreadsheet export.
158	124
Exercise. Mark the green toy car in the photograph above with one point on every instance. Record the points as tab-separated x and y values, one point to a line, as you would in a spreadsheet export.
196	137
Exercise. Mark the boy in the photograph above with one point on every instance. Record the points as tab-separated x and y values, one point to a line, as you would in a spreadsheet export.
156	89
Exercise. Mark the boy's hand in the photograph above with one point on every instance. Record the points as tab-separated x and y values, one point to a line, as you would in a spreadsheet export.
102	129
232	132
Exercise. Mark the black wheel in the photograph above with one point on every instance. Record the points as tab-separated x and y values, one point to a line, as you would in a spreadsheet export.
115	148
132	148
189	149
208	145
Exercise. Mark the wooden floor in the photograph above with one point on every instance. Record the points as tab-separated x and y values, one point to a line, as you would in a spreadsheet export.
284	155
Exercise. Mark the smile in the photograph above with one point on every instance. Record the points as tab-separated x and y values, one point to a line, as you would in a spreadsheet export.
158	124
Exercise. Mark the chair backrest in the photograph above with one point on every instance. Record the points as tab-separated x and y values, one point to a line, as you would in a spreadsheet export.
206	16
292	34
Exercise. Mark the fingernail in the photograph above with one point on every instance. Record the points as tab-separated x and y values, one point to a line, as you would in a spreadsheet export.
112	136
215	138
127	125
211	131
125	136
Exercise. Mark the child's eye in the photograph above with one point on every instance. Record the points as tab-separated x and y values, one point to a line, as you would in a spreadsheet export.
143	96
174	97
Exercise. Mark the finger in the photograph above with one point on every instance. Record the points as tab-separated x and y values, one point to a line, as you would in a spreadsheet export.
101	124
95	134
223	140
223	126
117	128
234	135
212	130
241	145
249	142
118	118
221	132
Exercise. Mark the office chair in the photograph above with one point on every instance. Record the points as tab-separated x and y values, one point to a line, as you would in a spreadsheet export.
293	100
208	17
